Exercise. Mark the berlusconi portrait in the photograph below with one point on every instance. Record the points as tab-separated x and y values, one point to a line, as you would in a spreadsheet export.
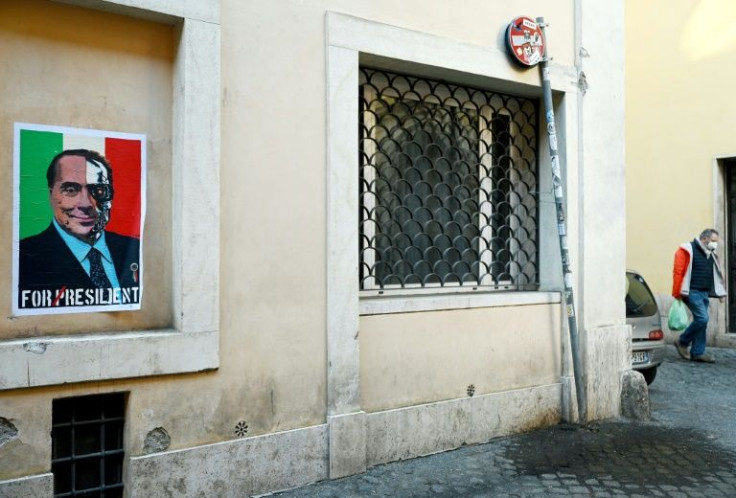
78	219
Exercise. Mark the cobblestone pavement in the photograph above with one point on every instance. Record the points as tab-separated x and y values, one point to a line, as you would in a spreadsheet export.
687	450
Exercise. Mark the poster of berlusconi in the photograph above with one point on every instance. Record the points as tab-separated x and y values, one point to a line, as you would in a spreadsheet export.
78	213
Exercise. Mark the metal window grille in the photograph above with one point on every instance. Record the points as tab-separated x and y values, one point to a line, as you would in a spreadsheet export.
87	446
448	185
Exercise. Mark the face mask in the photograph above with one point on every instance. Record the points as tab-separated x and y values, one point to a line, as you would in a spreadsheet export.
712	246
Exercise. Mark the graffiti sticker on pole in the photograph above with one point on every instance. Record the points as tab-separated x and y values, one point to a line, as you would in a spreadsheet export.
525	41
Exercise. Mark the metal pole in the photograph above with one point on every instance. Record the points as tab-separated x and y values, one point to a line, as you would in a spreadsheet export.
562	231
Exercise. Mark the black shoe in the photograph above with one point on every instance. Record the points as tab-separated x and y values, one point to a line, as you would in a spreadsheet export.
682	350
704	358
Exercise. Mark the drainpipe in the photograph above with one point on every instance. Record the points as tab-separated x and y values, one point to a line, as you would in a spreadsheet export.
562	231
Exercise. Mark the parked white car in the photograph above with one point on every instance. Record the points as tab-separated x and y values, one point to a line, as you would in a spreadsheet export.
647	338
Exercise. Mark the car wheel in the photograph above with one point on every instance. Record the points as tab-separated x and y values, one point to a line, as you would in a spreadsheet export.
649	374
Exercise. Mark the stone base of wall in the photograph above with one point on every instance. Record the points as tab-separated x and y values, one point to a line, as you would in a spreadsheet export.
38	486
347	444
425	429
607	354
273	462
242	467
724	340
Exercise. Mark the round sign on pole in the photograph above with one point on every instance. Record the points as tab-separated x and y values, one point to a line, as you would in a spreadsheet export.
525	41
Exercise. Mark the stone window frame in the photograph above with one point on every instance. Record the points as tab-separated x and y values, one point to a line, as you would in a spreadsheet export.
352	42
192	343
349	43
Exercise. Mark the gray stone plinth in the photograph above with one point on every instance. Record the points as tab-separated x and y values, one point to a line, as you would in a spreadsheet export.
634	396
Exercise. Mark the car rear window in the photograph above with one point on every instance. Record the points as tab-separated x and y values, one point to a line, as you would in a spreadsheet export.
639	299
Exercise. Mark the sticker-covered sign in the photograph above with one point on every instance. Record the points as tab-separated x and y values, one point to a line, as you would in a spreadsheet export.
525	41
78	218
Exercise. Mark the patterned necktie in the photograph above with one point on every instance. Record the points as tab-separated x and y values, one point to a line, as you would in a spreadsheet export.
96	272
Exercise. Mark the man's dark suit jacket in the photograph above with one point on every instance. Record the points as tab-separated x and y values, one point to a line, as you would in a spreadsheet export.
45	262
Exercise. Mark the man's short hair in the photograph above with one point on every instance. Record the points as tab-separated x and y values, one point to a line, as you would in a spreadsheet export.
707	233
89	155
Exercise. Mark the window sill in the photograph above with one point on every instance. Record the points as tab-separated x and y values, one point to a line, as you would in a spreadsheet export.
378	305
44	361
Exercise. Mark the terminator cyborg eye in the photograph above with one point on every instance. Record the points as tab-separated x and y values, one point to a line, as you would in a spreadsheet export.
101	192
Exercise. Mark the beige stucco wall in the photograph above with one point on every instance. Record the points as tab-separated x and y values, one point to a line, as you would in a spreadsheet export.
272	342
679	118
68	66
273	189
413	358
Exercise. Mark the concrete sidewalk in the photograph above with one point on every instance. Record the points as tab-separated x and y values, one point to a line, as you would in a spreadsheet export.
687	450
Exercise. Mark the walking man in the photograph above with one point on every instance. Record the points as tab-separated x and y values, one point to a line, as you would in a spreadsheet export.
697	276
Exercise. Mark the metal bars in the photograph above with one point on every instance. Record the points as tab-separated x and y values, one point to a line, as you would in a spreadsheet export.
448	186
87	446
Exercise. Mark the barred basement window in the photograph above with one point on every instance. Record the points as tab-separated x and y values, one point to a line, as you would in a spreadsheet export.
448	186
87	446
